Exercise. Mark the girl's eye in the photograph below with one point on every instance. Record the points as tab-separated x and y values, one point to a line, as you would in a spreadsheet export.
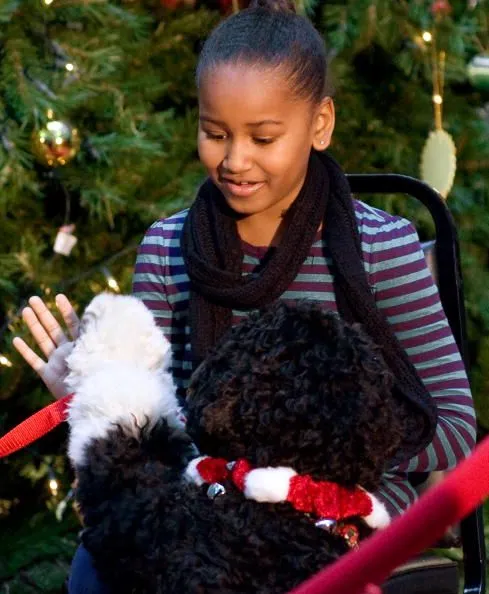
263	140
214	136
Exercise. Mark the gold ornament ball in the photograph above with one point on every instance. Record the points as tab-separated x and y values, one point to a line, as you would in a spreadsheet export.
56	143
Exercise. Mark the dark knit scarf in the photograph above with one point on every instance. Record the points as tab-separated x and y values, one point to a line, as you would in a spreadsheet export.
213	256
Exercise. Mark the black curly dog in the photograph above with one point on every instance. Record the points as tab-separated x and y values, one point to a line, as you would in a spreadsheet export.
290	386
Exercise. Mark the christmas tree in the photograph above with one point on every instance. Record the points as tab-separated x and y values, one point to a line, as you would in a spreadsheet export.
402	70
97	140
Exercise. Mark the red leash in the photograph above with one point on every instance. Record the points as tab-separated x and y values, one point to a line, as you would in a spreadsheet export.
413	532
35	426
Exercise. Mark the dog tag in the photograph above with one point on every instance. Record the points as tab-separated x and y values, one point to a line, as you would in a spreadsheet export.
215	490
325	524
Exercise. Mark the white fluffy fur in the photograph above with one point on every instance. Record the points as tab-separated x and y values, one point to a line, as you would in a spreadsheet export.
268	484
118	371
117	328
191	472
379	518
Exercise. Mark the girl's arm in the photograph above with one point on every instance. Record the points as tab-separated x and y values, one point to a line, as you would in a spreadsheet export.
407	294
161	283
396	492
150	276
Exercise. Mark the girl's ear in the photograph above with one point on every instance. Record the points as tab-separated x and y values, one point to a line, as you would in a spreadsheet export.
323	124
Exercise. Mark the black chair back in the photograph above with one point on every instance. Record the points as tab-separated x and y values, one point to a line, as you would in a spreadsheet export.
450	285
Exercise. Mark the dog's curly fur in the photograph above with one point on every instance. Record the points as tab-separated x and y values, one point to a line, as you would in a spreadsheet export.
290	386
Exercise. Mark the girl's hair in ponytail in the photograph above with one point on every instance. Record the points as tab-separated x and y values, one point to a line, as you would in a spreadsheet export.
270	34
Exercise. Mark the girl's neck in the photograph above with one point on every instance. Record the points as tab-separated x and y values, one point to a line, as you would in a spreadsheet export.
261	231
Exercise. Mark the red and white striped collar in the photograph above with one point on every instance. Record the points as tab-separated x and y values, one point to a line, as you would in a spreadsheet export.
326	500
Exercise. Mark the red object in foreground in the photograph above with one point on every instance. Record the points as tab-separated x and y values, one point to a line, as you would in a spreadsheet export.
413	532
34	427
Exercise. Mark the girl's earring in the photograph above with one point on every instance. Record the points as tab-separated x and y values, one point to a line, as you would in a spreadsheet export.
321	142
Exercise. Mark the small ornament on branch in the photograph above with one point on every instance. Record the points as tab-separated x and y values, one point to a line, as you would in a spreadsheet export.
7	144
441	8
65	240
56	143
478	72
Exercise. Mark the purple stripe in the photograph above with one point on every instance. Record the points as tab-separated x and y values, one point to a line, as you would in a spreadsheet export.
443	351
398	251
147	267
145	287
163	232
449	384
443	368
401	290
414	324
460	400
432	336
151	249
158	305
315	269
410	306
401	270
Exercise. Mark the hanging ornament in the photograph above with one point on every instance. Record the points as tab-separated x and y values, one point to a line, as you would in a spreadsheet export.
62	505
441	8
438	159
65	240
478	72
56	143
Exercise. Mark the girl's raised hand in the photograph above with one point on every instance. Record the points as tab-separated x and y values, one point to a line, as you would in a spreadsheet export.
51	340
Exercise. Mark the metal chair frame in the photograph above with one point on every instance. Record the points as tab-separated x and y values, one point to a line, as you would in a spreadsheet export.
450	285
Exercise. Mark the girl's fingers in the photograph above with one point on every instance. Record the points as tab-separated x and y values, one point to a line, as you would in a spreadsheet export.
69	315
48	322
29	355
42	338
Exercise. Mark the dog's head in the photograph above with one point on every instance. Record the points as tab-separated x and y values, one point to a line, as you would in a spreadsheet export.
296	386
117	329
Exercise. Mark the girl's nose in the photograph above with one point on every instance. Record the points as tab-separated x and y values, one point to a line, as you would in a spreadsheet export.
237	158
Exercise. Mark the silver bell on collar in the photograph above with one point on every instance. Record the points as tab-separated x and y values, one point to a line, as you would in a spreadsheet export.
325	524
215	490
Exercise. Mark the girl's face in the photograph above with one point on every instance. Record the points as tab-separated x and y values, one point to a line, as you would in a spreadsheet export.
255	137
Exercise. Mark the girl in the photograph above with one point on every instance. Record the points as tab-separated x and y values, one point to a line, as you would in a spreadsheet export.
275	220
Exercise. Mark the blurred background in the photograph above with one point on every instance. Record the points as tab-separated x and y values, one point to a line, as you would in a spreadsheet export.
97	140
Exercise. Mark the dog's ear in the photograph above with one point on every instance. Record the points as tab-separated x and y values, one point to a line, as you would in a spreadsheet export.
118	328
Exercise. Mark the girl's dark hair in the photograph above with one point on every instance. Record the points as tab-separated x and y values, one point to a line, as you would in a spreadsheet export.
269	33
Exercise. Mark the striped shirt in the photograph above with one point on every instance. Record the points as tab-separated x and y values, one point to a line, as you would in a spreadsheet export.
404	290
